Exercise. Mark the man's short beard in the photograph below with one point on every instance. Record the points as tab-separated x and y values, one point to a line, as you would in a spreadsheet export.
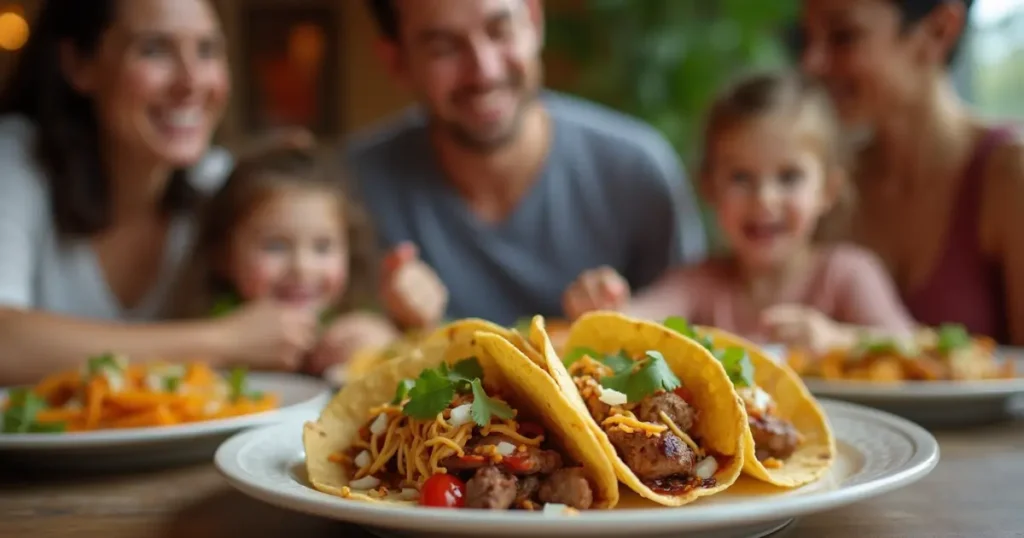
471	142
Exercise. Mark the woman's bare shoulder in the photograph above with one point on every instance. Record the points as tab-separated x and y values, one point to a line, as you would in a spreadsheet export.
1003	206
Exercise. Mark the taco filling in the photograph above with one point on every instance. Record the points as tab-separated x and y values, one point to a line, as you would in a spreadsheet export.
775	438
648	417
445	441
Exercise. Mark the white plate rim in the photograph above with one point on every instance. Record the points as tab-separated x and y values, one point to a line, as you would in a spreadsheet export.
921	462
160	434
917	390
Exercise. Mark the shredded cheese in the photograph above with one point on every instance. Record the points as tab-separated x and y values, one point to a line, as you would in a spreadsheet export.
629	424
680	433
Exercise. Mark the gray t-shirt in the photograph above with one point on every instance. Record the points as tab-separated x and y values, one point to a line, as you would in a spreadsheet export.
612	192
41	271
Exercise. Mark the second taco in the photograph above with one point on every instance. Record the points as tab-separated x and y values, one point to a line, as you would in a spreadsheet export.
660	404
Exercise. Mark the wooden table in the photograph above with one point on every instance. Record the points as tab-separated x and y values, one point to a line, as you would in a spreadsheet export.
975	491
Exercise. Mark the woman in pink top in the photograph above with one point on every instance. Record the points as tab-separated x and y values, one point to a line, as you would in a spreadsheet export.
773	170
940	193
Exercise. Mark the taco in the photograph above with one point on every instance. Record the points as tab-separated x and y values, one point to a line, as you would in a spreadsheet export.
789	441
468	422
659	403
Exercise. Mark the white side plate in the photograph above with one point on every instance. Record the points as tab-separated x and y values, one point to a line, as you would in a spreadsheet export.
301	398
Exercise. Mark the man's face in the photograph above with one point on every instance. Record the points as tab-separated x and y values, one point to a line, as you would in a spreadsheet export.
475	64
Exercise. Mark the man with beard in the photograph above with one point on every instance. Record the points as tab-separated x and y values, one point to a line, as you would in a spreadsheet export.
506	190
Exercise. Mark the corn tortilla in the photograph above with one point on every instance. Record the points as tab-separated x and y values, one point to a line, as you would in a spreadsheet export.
724	417
528	388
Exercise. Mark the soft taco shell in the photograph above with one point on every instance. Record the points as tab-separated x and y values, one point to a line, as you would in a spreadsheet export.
528	389
703	376
793	403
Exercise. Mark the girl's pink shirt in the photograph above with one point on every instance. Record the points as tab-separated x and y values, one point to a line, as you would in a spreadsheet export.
846	283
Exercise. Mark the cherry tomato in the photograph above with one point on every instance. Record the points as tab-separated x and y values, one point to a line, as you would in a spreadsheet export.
683	393
443	491
531	429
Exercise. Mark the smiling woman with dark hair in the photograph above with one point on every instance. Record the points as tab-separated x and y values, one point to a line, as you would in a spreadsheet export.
111	106
941	192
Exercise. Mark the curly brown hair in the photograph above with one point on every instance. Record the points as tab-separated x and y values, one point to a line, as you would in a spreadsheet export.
252	182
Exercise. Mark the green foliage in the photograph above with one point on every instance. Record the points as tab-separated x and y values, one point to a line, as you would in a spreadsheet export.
664	60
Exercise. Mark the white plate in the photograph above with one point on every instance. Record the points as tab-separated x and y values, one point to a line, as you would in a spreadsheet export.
932	403
877	453
300	398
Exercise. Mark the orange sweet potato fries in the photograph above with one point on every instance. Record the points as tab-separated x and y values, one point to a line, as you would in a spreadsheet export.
109	393
948	353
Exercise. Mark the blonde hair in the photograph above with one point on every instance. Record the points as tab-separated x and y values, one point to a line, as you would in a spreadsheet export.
789	93
252	183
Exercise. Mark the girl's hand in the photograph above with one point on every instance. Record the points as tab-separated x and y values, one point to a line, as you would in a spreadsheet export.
411	291
802	327
348	335
597	289
268	335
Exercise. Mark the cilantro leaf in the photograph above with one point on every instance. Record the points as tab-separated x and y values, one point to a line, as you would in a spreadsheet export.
683	327
20	415
523	325
679	325
171	384
484	406
403	390
578	353
47	427
107	361
238	386
650	375
431	394
466	370
738	366
617	362
952	337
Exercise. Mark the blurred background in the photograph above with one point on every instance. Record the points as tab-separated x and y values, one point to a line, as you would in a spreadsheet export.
310	62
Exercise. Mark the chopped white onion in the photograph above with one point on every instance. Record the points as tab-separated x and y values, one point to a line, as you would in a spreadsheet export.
706	468
364	483
212	407
555	508
612	397
362	460
114	380
154	383
380	424
505	448
461	415
409	494
755	398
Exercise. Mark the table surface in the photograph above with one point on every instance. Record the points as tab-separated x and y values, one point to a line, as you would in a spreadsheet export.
975	491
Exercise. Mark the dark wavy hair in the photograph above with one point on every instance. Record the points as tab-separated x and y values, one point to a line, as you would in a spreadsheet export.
67	130
913	11
385	14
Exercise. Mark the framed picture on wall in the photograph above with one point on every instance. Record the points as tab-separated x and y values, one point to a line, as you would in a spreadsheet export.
291	65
